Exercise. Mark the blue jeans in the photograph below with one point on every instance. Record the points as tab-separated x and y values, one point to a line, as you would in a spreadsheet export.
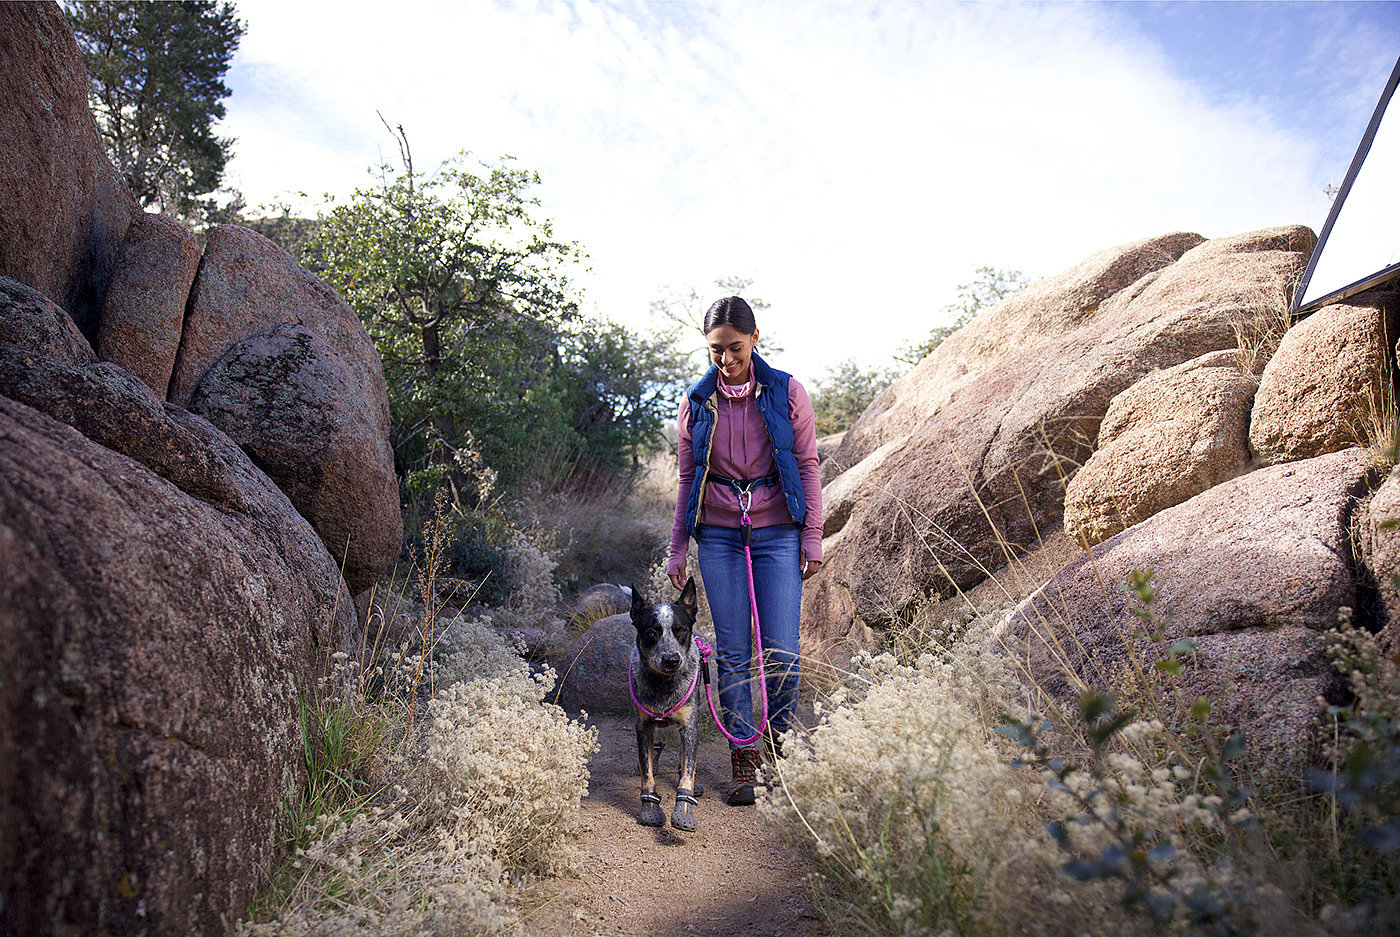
777	579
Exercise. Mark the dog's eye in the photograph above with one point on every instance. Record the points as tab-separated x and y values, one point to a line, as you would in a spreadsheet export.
652	634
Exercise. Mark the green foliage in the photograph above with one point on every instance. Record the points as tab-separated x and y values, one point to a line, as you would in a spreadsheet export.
1130	847
989	286
841	395
491	374
156	89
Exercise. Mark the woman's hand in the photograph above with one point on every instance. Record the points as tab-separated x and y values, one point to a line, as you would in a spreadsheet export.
810	567
678	580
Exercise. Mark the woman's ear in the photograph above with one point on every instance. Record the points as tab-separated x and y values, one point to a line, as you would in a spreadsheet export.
755	335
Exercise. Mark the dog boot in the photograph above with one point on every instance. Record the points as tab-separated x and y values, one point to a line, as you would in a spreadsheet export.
684	817
651	811
744	762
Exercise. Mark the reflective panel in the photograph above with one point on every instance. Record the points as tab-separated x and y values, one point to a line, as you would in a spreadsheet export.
1359	246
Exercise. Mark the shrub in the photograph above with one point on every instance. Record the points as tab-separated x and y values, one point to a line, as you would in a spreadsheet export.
438	826
924	820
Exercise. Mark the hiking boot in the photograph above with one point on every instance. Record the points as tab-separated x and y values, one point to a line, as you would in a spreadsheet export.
744	762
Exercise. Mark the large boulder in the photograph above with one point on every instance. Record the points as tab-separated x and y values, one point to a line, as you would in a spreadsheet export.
1329	385
1169	437
144	311
29	320
245	285
254	318
63	209
1054	306
595	668
281	395
165	610
1253	570
984	470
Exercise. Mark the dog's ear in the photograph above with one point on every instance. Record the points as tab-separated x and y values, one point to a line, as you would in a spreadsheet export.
638	606
688	596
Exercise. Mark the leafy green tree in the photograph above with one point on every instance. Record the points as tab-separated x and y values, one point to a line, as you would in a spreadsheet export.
156	89
989	286
623	386
463	291
841	395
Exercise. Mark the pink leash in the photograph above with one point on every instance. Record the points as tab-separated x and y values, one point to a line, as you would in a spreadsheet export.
746	528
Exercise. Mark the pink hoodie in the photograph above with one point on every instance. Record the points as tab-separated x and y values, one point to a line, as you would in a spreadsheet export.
741	449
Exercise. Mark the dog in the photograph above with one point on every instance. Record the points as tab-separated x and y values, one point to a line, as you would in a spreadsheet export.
664	678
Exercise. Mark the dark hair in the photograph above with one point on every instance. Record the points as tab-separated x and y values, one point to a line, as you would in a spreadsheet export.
731	311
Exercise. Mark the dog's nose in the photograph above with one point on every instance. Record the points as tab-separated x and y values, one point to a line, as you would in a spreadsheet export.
671	661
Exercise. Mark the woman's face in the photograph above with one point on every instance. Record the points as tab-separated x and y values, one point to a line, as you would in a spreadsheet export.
730	350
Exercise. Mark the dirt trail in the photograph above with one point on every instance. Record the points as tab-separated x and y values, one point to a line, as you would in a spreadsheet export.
730	877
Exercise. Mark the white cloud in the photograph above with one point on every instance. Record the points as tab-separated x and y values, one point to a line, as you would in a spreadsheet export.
858	160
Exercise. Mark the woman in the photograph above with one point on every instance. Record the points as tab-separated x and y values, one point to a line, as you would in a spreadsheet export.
747	434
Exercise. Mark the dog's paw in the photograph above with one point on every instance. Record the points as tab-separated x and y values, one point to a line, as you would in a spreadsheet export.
651	814
684	816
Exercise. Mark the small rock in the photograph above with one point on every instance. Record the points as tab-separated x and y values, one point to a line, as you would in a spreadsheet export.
595	668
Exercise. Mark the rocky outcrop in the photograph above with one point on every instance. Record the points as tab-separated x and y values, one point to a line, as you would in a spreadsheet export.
1169	437
1253	570
1330	384
144	311
30	321
247	285
1015	409
595	668
165	608
276	359
281	395
63	209
1056	305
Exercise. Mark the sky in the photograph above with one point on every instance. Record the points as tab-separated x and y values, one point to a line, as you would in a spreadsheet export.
857	161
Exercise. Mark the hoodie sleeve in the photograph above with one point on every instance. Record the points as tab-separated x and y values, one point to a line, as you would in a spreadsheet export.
804	448
685	459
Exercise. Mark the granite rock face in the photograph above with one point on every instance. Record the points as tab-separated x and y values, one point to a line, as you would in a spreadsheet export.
144	313
1330	384
1380	532
982	470
595	669
165	608
29	320
1170	436
63	209
280	394
1253	570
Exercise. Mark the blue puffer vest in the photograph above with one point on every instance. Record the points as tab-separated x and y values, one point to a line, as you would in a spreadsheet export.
771	396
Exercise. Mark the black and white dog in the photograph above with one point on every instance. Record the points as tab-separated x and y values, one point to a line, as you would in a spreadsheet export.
664	677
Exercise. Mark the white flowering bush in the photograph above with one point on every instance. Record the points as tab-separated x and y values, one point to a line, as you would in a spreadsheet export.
934	800
503	772
477	785
905	802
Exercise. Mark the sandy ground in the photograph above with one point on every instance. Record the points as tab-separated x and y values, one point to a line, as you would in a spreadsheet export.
730	877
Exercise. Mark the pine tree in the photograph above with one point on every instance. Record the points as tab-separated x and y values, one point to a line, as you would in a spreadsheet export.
157	88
